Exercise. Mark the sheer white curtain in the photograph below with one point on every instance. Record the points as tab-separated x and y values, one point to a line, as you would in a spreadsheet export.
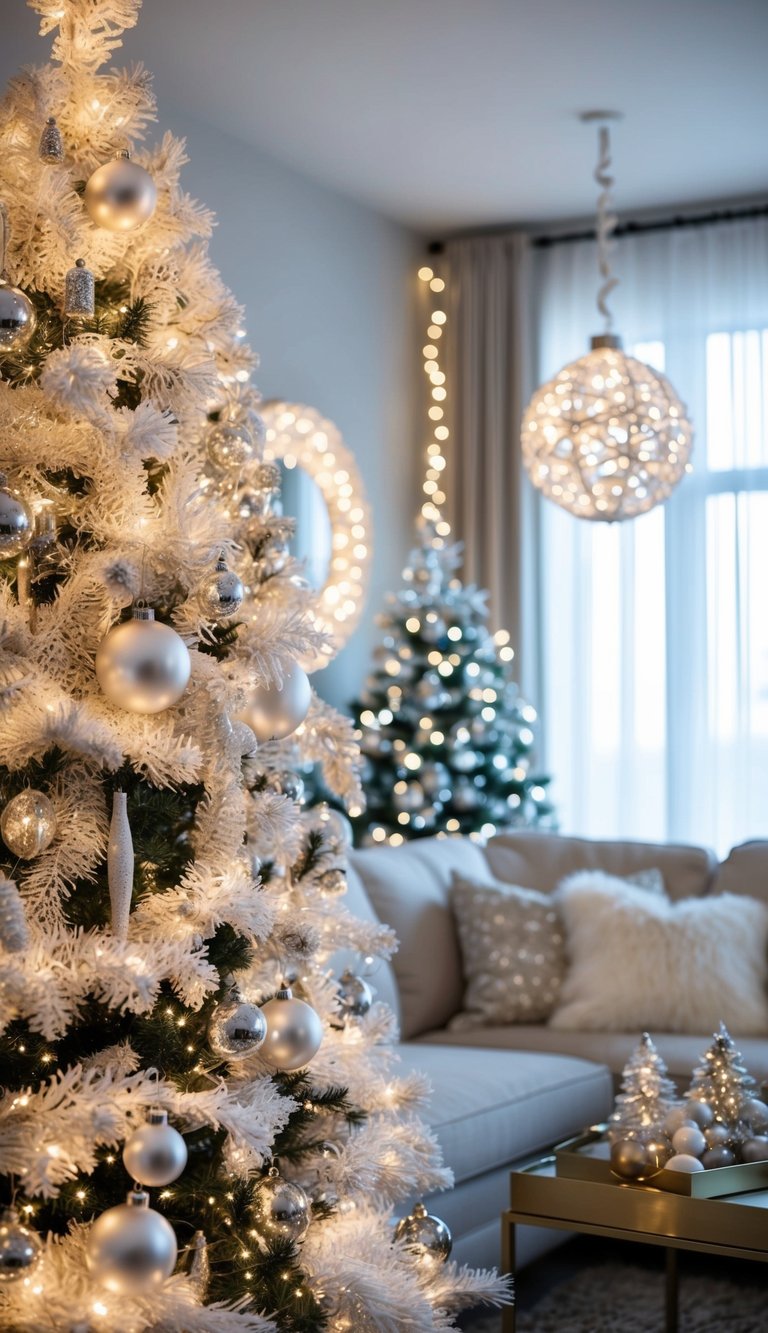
655	633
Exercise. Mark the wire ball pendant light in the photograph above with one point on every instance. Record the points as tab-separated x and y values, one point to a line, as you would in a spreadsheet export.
607	438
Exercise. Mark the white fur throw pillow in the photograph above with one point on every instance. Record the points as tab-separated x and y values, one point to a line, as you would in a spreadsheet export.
637	960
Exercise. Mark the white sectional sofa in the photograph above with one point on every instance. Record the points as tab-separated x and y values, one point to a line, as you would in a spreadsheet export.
503	1093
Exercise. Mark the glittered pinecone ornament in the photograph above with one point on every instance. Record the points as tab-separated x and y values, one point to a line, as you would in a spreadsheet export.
14	933
425	1235
51	147
199	1271
79	292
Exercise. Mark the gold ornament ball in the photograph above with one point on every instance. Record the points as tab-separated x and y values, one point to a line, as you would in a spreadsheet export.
658	1150
294	1031
28	824
120	195
274	712
143	665
629	1159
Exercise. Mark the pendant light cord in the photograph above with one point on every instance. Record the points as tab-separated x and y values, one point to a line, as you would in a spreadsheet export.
606	225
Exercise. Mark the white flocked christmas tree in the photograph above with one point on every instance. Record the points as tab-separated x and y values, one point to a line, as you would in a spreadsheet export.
160	881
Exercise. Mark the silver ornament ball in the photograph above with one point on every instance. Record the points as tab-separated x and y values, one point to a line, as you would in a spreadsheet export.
355	995
221	593
16	522
156	1153
754	1149
425	1235
28	824
287	784
716	1157
689	1139
755	1112
683	1161
20	1248
332	883
629	1159
143	665
131	1248
230	446
237	1027
294	1031
700	1113
244	738
717	1136
274	712
18	318
120	195
282	1209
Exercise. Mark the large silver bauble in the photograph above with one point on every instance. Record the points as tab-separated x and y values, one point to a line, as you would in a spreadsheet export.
237	1028
156	1153
120	195
629	1160
274	713
131	1248
286	784
230	446
20	1248
28	823
16	522
355	995
282	1209
755	1112
221	592
17	317
425	1235
294	1031
143	665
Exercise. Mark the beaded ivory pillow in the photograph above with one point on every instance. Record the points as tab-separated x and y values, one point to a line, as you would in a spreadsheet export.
637	960
513	948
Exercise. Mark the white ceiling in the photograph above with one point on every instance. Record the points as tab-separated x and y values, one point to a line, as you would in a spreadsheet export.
448	114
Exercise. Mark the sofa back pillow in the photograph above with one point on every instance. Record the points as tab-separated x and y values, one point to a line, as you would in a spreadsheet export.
637	960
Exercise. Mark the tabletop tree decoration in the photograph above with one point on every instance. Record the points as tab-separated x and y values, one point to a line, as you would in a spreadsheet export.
165	1163
646	1096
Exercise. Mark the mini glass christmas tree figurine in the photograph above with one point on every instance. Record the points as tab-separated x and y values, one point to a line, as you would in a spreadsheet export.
721	1079
647	1095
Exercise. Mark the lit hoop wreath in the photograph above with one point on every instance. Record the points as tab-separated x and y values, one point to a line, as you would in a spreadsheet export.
299	436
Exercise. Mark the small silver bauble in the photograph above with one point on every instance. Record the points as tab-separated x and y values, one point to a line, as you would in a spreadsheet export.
689	1139
658	1150
684	1162
629	1159
355	995
294	1031
131	1248
674	1119
755	1113
16	522
17	317
28	823
230	446
700	1113
221	593
156	1153
20	1248
754	1149
274	713
51	147
143	665
715	1157
282	1209
425	1235
237	1027
332	883
286	784
120	195
717	1136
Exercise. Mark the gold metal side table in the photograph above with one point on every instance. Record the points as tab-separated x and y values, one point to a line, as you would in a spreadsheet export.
735	1226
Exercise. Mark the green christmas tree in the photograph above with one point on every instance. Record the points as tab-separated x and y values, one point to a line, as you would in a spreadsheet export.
446	736
647	1094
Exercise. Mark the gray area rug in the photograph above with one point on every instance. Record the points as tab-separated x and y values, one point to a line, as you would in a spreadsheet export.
615	1298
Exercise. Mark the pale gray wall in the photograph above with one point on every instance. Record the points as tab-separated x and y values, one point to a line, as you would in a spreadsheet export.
328	288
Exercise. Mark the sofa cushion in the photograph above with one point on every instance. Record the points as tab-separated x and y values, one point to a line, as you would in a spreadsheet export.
613	1049
381	975
489	1109
541	860
409	888
745	871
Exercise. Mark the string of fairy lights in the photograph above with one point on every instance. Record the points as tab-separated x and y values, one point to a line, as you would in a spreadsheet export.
432	488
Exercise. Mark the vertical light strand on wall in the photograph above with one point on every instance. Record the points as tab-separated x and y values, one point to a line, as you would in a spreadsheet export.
437	431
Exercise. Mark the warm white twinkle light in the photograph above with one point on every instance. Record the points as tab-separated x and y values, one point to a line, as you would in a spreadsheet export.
607	438
302	437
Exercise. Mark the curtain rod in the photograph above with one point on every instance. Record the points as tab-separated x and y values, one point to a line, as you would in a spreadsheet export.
679	220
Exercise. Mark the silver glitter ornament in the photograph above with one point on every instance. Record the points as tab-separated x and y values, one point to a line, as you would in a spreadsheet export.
199	1270
221	593
28	824
143	665
131	1248
286	784
425	1235
18	318
355	995
120	195
14	932
274	712
79	292
51	147
120	862
294	1031
156	1153
230	446
237	1027
16	523
281	1209
20	1248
